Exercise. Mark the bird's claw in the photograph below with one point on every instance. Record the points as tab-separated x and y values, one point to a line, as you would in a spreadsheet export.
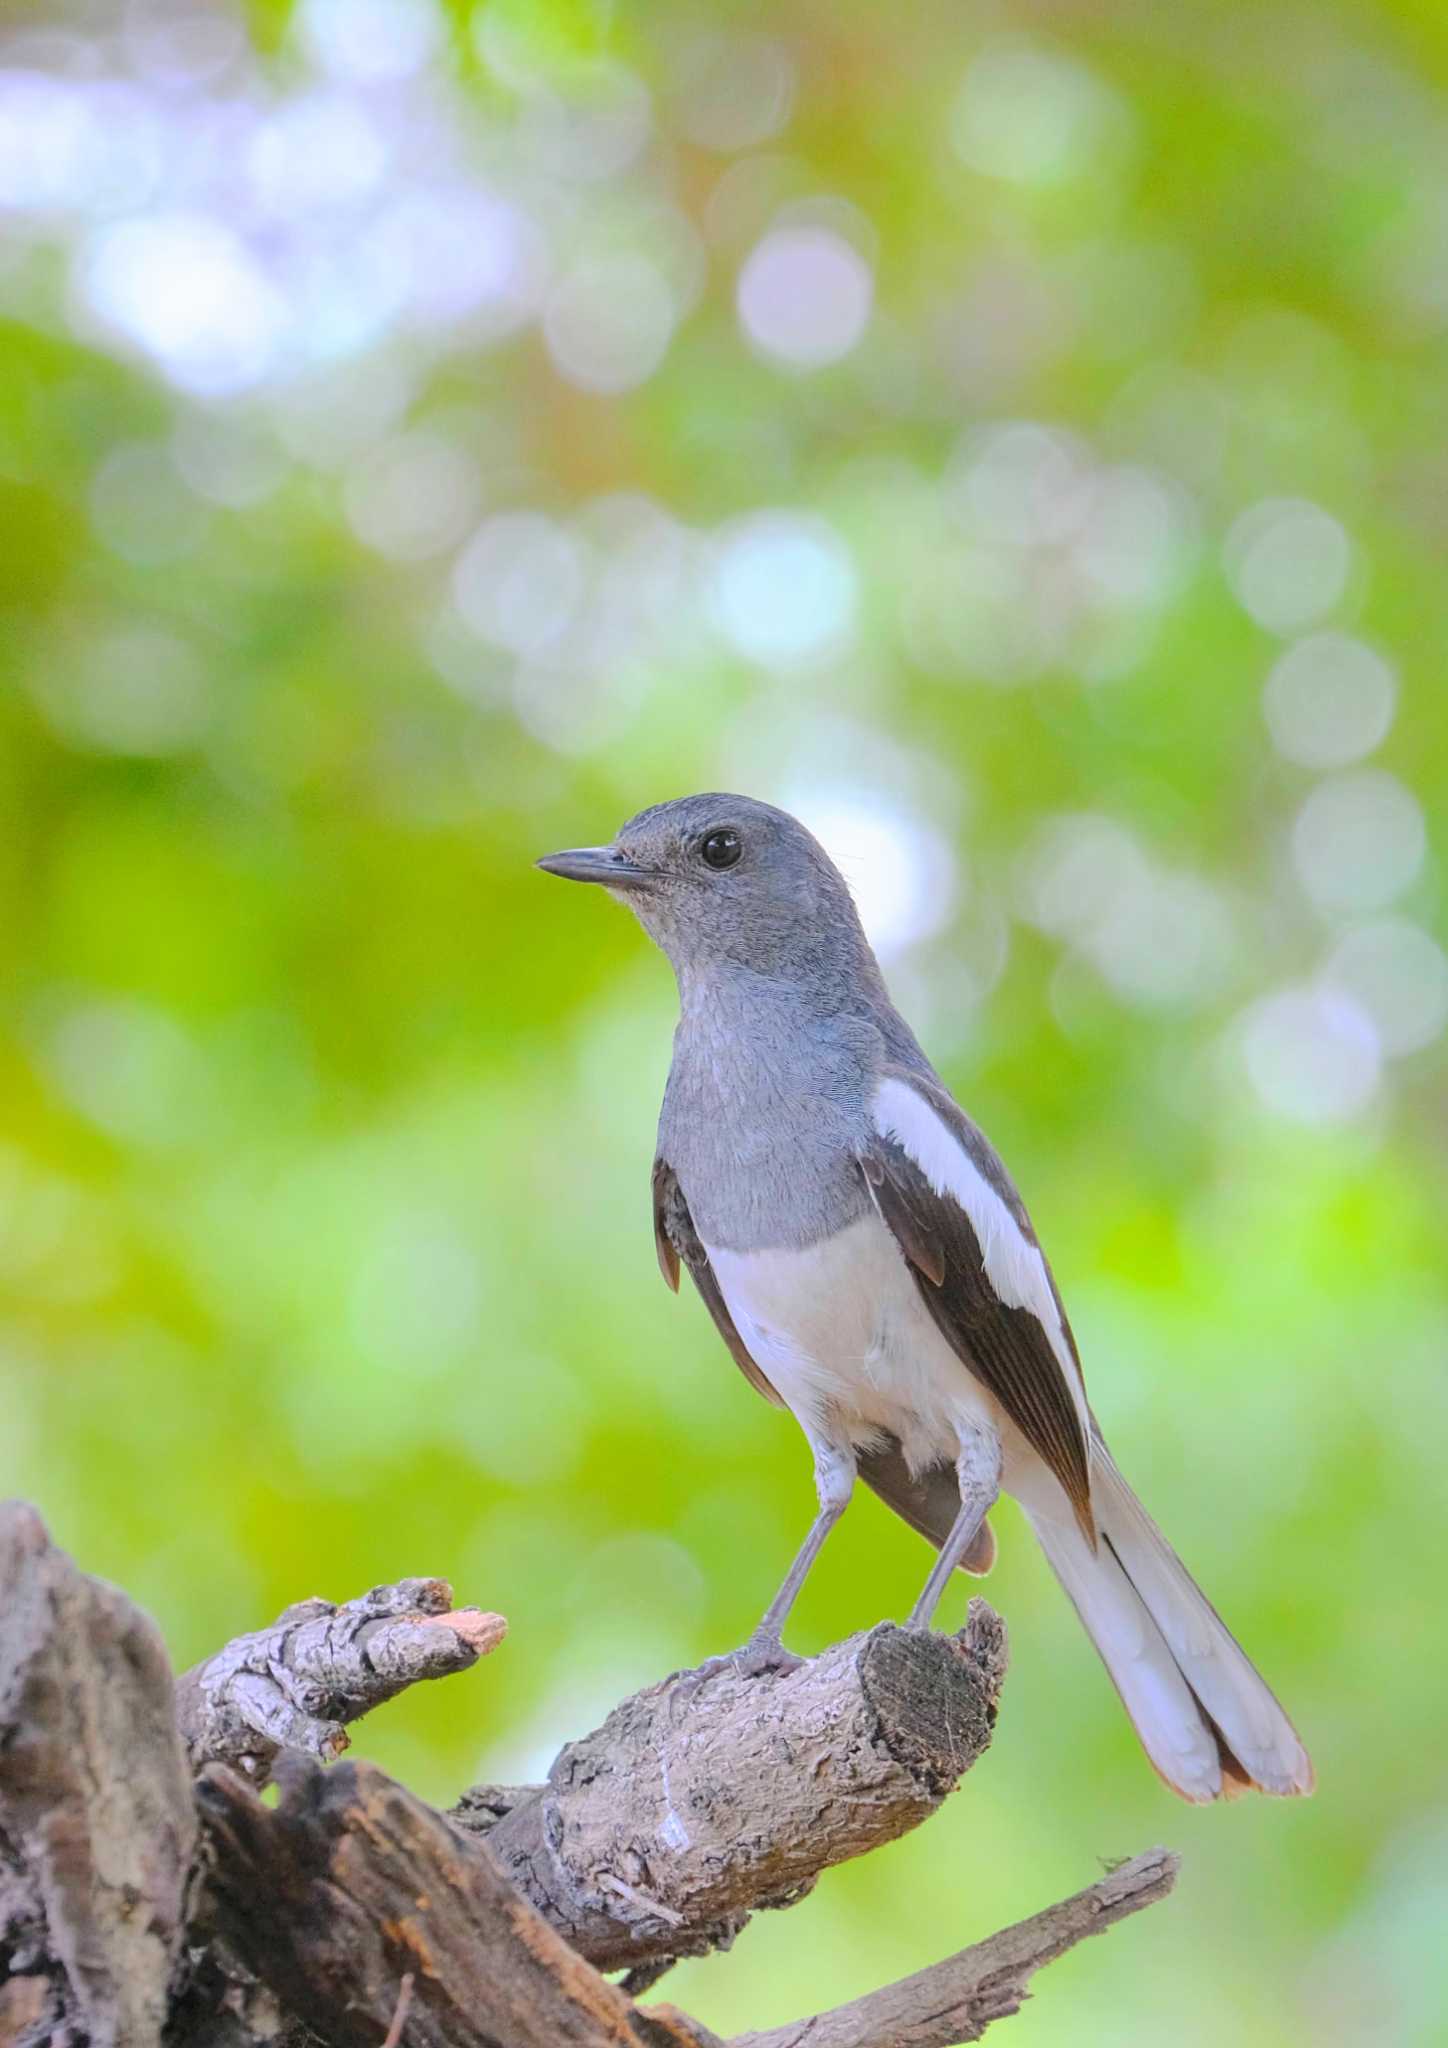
759	1657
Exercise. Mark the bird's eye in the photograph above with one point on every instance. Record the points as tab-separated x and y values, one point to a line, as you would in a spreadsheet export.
721	849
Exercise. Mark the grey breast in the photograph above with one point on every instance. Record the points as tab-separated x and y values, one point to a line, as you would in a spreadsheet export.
765	1111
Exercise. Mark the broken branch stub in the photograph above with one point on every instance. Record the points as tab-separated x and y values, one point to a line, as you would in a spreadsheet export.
957	1999
704	1798
320	1665
352	1884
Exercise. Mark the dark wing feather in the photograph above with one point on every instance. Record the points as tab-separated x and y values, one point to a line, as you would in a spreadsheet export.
1005	1347
928	1501
675	1238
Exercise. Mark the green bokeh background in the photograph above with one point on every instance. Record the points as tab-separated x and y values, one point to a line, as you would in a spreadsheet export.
324	1235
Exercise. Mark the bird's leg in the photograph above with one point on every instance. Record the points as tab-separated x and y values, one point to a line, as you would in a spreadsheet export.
978	1469
834	1461
834	1467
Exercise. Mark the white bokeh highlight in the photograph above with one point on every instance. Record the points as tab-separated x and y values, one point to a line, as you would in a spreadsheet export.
1288	563
1312	1055
1398	974
132	1070
1031	115
451	254
133	690
1134	539
183	42
1159	937
47	142
1021	482
140	508
608	323
519	581
321	150
227	457
902	874
1329	700
784	589
412	496
734	91
594	133
369	41
1358	841
804	297
185	289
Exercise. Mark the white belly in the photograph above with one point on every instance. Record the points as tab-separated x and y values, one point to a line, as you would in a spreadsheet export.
843	1336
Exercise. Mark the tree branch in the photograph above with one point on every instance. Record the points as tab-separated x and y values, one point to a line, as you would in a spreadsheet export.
956	2000
351	1884
295	1685
700	1800
132	1903
96	1819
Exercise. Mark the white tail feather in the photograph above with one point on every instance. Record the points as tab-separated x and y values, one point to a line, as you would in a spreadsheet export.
1153	1691
1172	1659
1213	1662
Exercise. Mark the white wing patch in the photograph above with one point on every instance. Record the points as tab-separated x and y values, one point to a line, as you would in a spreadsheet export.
1013	1265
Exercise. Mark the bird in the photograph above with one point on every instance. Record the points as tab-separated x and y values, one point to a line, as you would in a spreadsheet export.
869	1264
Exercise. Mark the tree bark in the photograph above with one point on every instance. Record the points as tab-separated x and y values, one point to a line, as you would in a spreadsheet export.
351	1883
97	1824
140	1909
296	1684
699	1801
957	1999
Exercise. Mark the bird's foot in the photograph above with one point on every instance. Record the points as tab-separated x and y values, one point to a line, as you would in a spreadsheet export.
757	1658
761	1655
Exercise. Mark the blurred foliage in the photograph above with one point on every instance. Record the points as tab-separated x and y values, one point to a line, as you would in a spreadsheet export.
1016	436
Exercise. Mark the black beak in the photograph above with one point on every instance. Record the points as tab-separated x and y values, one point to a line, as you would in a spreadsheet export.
596	864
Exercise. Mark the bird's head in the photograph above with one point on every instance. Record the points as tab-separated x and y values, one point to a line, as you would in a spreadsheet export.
721	880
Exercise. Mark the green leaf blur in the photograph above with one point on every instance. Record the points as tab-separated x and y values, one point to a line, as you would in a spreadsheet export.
1016	436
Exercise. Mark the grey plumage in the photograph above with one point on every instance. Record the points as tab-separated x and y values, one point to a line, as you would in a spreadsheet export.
869	1263
784	1020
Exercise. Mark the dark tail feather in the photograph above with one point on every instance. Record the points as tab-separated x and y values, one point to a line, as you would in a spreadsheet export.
929	1502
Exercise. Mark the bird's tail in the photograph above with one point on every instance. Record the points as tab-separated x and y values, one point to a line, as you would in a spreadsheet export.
1206	1717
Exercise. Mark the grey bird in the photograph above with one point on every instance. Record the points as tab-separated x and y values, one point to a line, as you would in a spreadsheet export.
869	1264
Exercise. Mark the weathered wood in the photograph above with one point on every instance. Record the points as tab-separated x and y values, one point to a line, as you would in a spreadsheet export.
704	1798
96	1820
350	1884
957	1999
296	1684
353	1915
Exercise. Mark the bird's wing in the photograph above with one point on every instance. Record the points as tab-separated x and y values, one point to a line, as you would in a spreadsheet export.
675	1238
947	1200
929	1501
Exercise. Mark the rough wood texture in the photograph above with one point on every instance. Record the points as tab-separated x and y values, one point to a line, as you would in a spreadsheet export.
296	1684
96	1818
702	1799
957	1999
350	1884
136	1907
